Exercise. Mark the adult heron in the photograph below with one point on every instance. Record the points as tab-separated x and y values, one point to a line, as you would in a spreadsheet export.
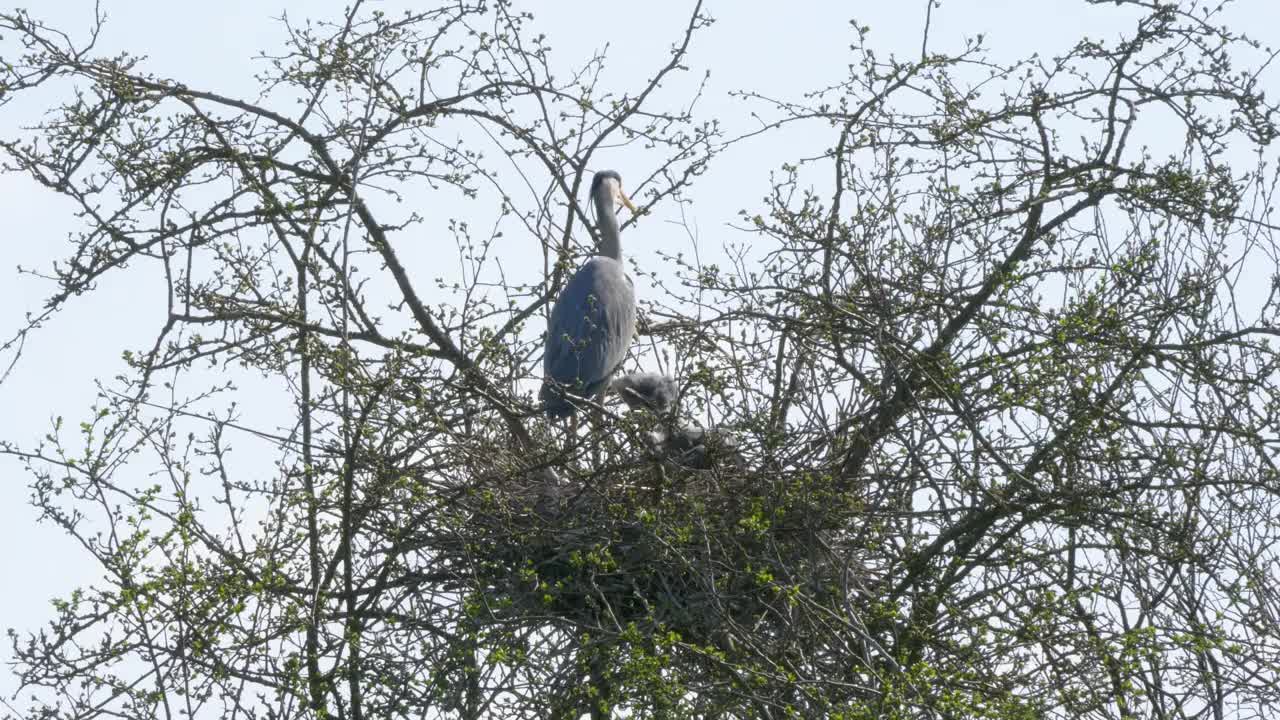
594	318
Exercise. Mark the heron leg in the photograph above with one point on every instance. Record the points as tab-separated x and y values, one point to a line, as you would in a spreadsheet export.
597	422
659	483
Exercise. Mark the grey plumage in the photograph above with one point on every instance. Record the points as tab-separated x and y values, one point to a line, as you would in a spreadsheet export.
688	447
594	318
647	391
698	448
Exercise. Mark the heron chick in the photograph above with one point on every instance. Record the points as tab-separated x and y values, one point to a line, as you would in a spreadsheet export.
698	448
646	391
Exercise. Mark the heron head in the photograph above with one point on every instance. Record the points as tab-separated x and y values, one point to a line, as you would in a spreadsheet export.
609	182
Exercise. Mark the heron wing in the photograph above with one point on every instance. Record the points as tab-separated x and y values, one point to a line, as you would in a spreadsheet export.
591	327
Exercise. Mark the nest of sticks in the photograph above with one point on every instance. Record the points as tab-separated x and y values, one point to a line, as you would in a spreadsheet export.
642	541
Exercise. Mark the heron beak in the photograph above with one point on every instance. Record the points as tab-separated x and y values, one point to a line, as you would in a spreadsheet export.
626	201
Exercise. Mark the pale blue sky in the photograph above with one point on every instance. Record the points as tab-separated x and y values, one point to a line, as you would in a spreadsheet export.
777	48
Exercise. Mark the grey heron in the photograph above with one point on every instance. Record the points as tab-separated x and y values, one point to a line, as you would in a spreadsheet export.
689	447
594	318
698	448
646	390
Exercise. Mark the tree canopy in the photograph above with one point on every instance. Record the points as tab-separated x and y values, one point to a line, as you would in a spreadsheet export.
995	372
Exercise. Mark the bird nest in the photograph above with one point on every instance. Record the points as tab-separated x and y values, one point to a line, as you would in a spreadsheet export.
647	543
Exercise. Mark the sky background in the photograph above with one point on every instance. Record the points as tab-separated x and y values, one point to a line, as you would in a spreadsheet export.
777	49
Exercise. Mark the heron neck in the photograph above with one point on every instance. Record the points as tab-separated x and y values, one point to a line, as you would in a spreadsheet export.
607	224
